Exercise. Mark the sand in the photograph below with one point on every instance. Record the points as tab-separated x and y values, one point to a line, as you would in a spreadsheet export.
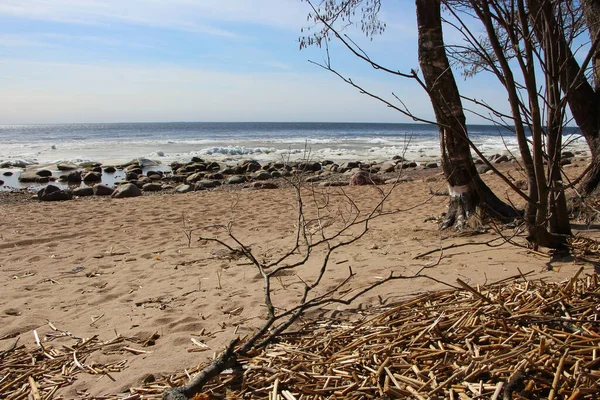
125	266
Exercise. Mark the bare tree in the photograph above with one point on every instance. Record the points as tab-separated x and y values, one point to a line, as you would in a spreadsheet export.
323	227
468	192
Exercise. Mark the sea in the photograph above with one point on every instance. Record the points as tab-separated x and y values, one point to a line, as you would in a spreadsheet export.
115	143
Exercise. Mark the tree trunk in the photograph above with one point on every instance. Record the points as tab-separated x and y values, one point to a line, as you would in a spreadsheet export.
583	99
467	191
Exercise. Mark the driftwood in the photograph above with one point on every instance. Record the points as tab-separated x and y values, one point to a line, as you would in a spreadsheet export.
515	339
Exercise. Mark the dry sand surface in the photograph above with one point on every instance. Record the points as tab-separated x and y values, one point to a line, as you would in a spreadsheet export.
106	267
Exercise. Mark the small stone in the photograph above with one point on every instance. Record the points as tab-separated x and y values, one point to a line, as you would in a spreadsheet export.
431	165
7	173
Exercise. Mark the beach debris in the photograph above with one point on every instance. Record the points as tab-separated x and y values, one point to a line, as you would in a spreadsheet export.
513	339
523	339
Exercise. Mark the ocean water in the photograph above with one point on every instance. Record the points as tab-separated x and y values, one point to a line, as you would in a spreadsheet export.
166	142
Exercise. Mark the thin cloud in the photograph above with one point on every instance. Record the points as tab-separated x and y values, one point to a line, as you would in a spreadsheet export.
205	17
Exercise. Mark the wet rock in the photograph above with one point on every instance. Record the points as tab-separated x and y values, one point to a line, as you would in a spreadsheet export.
1	182
31	176
66	166
431	165
312	179
110	170
197	160
127	190
73	177
8	173
53	193
103	190
92	176
89	164
501	159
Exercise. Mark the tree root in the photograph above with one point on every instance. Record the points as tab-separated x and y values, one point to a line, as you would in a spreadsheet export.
224	361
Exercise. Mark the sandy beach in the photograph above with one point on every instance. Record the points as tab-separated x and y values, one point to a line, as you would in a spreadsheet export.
135	267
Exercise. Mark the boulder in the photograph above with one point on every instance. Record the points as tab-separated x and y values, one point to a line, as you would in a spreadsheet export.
207	184
312	179
387	167
7	173
152	187
362	178
567	154
1	182
262	176
92	176
30	176
263	185
44	172
197	160
349	165
501	159
110	170
236	179
335	183
73	177
83	191
312	166
53	193
213	166
565	161
431	165
127	190
482	169
250	165
89	164
184	188
103	190
401	179
195	177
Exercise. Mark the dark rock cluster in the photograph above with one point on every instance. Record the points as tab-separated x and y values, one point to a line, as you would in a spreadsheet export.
198	174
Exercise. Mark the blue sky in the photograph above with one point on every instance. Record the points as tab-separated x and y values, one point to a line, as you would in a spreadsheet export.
195	60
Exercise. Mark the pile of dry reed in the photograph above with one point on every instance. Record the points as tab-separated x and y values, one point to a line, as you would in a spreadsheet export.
514	339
